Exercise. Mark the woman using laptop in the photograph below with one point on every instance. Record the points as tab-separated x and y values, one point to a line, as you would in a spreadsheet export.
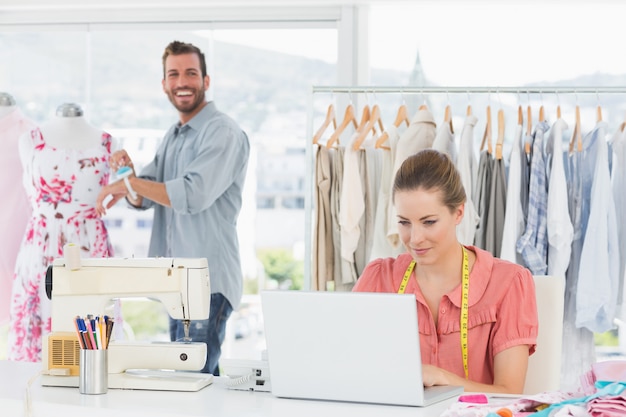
477	314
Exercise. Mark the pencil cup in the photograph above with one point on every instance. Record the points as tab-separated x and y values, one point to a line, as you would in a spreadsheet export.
93	371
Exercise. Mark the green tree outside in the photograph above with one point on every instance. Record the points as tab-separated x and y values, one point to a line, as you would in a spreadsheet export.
282	267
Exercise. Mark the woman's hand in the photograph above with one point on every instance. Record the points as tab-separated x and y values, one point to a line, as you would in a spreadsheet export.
431	375
510	367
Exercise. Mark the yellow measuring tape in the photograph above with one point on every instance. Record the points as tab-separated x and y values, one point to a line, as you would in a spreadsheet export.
465	311
464	304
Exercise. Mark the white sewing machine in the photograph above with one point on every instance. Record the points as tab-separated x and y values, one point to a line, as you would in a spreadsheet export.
181	284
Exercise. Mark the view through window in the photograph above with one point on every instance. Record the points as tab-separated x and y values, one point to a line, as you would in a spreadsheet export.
115	76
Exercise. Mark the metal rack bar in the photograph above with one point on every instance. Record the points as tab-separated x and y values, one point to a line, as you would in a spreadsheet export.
465	90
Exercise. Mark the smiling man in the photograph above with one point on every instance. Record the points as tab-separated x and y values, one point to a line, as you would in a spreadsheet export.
194	183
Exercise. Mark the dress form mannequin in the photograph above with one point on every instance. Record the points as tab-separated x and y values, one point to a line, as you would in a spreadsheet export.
70	130
7	104
65	163
15	210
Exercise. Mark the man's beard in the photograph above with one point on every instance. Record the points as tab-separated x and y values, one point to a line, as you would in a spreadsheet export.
189	107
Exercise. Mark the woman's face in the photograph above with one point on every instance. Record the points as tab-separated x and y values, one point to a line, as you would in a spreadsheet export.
426	226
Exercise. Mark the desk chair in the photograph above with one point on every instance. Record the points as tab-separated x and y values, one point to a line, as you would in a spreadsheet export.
544	366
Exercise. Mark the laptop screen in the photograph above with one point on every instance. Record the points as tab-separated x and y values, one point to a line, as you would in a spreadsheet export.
344	346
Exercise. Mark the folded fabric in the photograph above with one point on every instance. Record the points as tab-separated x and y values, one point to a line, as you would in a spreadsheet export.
608	406
569	410
609	390
519	406
614	371
603	373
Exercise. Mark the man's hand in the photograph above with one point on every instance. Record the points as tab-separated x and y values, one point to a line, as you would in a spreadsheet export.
116	190
119	159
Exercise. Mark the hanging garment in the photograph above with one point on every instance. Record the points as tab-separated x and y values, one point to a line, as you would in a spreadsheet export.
596	294
618	182
62	186
323	260
370	168
533	244
418	136
496	208
337	158
514	220
467	166
15	209
351	210
575	362
481	197
381	248
444	141
560	230
525	159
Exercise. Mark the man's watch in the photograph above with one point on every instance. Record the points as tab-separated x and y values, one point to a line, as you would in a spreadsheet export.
124	173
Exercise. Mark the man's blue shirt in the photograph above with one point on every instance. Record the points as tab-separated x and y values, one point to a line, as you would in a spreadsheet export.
203	164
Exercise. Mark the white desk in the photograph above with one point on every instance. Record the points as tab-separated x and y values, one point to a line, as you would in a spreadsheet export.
215	400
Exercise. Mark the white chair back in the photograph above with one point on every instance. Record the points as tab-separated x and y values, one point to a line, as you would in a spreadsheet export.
544	366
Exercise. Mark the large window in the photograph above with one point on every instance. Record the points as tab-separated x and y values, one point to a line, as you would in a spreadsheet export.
494	44
260	77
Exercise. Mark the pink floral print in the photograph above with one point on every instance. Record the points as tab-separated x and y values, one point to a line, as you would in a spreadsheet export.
62	186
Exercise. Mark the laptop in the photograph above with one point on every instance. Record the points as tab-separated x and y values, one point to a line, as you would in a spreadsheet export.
344	346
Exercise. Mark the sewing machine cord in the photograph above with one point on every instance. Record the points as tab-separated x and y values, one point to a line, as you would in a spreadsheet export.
28	404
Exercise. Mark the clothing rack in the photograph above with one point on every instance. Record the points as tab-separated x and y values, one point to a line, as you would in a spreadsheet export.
456	89
535	90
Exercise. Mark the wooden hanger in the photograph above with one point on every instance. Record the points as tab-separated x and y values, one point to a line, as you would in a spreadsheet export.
529	130
468	112
401	117
487	134
348	118
577	137
542	116
500	140
380	121
368	124
599	114
520	115
558	111
330	117
447	118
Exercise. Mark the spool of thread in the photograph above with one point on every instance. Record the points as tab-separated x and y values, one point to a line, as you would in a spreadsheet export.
71	253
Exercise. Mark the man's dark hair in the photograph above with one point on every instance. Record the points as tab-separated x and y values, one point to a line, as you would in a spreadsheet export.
180	48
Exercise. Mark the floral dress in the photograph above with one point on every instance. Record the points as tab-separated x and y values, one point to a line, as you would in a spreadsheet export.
62	187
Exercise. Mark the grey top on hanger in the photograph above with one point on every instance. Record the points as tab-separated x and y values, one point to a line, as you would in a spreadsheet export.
6	99
69	110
